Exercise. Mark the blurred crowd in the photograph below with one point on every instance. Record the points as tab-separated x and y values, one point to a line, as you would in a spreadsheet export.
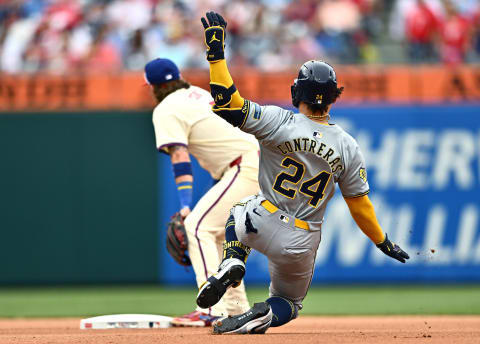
60	36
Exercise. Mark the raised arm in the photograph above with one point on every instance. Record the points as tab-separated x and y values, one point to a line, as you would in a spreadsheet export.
228	103
363	213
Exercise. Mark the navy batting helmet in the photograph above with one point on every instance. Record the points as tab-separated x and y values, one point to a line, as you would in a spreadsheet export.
316	84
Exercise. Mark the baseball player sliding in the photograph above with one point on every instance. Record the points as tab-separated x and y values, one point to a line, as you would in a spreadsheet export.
302	157
184	123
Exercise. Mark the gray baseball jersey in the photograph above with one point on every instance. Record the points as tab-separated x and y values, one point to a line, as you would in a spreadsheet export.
301	160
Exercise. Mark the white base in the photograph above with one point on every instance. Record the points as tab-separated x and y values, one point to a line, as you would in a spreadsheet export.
126	321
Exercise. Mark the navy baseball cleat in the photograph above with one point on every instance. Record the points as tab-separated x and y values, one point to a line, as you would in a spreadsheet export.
230	274
256	320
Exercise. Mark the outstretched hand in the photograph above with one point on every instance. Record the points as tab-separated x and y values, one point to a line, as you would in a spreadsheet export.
214	27
393	250
214	19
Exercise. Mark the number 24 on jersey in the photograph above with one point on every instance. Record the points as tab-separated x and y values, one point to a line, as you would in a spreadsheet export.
314	187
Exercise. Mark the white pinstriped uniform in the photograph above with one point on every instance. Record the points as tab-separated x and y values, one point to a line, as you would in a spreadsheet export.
185	118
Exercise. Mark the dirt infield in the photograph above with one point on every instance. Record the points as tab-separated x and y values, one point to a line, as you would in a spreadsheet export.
391	329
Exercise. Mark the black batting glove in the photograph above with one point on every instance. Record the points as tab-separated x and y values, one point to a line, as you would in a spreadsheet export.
214	36
392	250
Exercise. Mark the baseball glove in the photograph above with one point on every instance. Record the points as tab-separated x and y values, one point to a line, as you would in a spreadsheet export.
177	242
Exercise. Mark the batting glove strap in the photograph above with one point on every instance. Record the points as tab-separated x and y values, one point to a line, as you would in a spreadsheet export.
393	250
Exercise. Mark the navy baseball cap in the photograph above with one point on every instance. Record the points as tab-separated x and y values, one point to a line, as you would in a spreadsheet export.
159	71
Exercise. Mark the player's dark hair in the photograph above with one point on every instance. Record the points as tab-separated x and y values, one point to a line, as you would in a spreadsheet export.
323	107
160	91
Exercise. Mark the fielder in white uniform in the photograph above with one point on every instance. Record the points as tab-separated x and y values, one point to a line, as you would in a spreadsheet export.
185	124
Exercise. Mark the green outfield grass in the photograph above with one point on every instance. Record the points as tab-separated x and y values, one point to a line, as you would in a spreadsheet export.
337	300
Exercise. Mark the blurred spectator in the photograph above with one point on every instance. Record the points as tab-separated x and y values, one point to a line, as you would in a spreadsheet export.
476	30
421	27
103	57
372	29
75	35
302	10
136	56
338	21
17	27
455	35
399	13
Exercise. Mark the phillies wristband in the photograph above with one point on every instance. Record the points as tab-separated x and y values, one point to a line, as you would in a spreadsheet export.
182	168
185	193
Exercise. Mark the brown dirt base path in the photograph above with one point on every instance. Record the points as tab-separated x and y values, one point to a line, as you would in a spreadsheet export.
387	329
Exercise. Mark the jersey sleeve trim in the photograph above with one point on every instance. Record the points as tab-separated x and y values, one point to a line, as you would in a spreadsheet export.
359	195
246	110
164	148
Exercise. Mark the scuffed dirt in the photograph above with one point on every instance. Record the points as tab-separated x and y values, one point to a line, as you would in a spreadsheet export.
385	329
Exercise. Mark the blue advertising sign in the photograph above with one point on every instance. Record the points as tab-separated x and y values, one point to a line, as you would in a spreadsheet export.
423	165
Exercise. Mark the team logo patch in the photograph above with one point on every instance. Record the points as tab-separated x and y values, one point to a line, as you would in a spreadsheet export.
257	112
317	134
318	99
363	174
284	218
